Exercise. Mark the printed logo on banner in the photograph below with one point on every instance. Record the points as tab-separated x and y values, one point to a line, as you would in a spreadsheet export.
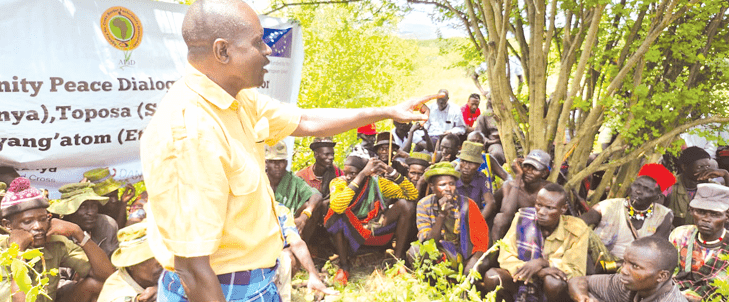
279	40
123	30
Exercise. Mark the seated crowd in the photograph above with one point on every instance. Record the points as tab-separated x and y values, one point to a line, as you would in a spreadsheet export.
444	181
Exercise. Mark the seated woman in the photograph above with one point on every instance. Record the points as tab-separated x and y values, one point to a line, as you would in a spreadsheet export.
369	204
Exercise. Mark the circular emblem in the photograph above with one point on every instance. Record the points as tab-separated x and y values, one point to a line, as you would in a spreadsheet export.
121	28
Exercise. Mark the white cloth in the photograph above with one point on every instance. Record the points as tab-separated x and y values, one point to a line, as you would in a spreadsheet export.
441	121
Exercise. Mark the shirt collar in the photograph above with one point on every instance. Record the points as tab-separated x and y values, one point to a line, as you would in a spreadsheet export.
209	90
559	232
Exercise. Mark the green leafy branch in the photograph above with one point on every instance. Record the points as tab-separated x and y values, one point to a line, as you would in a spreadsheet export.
21	264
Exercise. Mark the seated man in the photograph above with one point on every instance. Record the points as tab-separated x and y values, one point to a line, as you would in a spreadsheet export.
646	276
367	147
417	163
546	249
105	185
474	184
295	253
705	241
292	191
448	217
412	138
447	148
486	124
389	153
470	111
696	167
520	192
444	119
136	279
620	221
321	173
367	210
80	204
490	165
24	215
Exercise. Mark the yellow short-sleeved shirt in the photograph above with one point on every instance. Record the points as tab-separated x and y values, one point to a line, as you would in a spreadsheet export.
203	163
119	287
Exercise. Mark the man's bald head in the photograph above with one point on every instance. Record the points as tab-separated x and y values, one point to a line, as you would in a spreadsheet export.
208	20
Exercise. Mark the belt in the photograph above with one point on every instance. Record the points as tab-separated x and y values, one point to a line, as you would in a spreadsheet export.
244	277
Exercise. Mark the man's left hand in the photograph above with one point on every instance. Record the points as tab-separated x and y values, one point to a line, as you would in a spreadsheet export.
552	271
710	174
315	284
405	111
300	222
148	295
530	269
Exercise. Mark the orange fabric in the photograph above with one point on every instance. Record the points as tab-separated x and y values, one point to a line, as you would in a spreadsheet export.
479	229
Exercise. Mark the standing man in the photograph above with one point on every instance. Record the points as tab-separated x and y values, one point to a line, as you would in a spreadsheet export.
211	208
470	111
321	173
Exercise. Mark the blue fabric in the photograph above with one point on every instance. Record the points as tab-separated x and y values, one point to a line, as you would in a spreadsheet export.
261	286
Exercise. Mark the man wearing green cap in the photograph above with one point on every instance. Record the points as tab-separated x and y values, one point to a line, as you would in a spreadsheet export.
80	204
292	191
105	185
472	183
136	279
448	218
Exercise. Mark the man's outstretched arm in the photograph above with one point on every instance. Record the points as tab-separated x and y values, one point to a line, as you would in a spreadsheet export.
331	121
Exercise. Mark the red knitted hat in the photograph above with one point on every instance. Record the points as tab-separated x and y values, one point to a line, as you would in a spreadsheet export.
367	130
22	197
659	173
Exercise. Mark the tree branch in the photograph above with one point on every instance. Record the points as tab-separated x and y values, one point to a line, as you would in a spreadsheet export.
284	4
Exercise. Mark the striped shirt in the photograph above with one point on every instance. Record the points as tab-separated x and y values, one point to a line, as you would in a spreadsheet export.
608	288
401	188
427	212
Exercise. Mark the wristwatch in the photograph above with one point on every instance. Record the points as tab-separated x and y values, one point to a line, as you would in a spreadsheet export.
83	241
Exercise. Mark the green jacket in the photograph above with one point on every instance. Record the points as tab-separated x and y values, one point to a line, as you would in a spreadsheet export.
678	202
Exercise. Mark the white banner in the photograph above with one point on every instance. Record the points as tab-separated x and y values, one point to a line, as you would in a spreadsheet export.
80	80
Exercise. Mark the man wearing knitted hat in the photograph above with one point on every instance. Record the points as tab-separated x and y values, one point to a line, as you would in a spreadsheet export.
696	168
80	204
136	279
31	226
701	245
369	204
448	217
620	221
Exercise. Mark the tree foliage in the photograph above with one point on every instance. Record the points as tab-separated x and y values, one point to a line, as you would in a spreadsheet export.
352	60
647	69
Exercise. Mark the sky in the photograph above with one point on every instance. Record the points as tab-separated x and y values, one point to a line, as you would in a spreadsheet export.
416	24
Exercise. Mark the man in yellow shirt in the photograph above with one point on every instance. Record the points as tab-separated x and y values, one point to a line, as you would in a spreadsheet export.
546	248
136	279
211	208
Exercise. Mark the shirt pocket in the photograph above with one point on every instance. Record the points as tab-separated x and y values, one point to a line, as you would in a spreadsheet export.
246	179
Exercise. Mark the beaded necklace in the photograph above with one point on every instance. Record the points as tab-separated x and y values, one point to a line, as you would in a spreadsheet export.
713	241
638	214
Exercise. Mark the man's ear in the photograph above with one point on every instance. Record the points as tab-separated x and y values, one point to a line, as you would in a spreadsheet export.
220	50
6	224
663	276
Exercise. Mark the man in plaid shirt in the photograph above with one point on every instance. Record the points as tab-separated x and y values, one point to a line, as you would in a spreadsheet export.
703	247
